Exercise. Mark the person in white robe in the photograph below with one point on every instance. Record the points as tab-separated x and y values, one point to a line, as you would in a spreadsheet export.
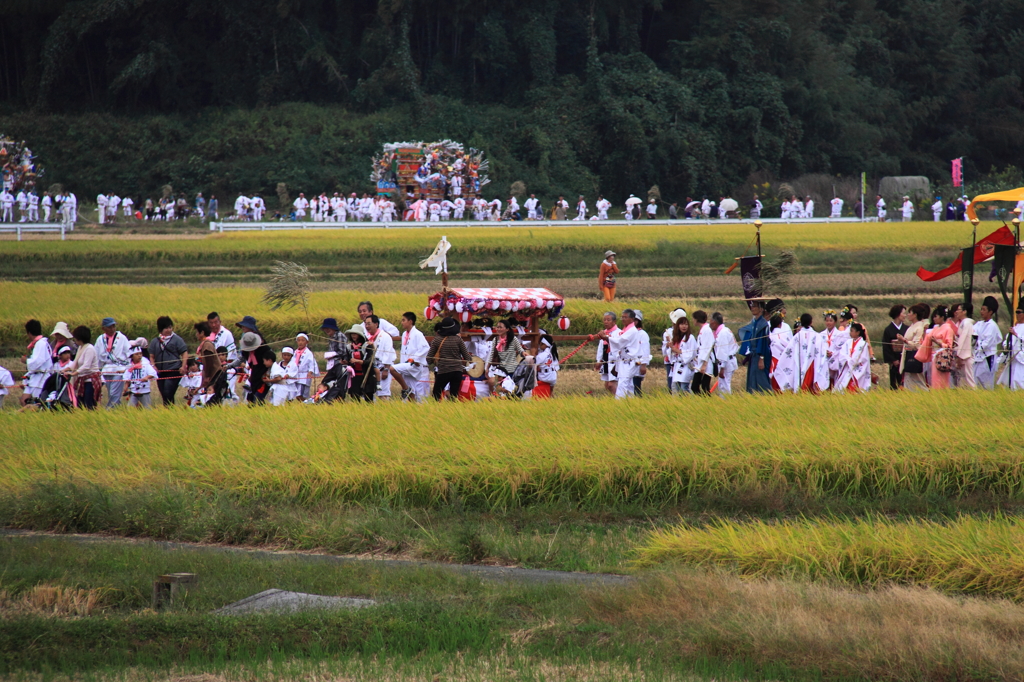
785	210
626	349
809	208
602	206
38	360
459	208
101	207
300	204
854	363
581	209
986	350
306	366
837	207
47	203
684	362
937	209
726	348
281	378
907	209
412	371
112	353
796	370
880	205
1013	374
33	207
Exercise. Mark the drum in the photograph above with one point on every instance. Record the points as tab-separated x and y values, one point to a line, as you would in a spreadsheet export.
478	368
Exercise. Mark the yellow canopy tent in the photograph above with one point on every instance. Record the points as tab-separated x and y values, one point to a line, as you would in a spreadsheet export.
1014	195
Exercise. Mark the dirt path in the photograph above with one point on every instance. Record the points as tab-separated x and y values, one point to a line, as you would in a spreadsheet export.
500	573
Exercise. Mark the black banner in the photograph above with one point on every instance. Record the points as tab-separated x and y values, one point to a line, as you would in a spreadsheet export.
750	272
1002	265
967	275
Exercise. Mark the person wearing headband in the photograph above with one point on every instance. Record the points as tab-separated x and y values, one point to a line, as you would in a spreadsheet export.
306	367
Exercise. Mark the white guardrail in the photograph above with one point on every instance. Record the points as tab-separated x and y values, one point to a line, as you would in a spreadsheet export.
242	226
22	228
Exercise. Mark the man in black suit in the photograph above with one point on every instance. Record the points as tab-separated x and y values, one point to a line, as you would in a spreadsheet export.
891	347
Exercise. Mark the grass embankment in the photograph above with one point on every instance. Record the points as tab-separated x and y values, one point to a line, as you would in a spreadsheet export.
648	250
673	626
603	454
968	554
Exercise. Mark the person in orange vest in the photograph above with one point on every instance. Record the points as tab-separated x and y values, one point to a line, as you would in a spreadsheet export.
606	279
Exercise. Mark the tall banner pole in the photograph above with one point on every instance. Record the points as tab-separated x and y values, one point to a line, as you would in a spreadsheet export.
863	191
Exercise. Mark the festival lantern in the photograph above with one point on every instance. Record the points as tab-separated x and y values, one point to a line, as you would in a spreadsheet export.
429	312
465	316
563	323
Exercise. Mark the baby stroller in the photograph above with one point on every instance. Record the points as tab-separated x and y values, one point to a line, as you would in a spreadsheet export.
57	394
334	385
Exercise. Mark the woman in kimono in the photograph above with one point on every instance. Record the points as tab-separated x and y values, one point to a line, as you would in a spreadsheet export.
683	354
780	339
855	362
917	317
938	339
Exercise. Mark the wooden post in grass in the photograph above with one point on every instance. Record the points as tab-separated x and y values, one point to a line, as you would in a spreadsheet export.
166	588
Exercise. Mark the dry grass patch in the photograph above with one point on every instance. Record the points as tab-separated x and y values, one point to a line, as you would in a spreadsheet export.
52	600
892	634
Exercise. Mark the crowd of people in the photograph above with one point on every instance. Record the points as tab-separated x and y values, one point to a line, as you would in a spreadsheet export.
28	206
922	348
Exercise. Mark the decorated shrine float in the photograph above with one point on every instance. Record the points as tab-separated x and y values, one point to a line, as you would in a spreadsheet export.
17	166
411	169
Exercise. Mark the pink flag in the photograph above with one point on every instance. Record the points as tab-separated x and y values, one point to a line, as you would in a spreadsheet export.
958	172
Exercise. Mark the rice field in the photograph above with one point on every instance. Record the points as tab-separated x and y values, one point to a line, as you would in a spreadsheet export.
515	240
578	451
136	308
968	554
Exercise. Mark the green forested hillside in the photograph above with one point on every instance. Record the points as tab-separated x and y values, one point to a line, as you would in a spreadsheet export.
567	95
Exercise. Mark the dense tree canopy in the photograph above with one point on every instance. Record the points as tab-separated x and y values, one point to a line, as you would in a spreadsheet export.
570	95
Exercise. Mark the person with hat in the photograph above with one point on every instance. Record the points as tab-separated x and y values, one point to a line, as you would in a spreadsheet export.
365	376
139	376
306	367
606	277
168	353
112	351
255	354
248	323
337	345
644	356
412	371
61	336
449	355
547	368
755	349
907	209
937	209
666	343
987	332
682	352
282	378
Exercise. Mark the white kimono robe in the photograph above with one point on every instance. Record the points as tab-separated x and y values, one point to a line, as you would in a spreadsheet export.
1013	373
627	352
414	350
38	364
283	391
796	367
684	362
855	367
985	351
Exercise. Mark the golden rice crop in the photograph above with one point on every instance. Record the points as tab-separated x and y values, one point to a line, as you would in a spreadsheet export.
575	450
968	554
519	239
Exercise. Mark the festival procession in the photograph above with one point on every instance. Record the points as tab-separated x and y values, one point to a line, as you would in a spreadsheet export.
507	343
